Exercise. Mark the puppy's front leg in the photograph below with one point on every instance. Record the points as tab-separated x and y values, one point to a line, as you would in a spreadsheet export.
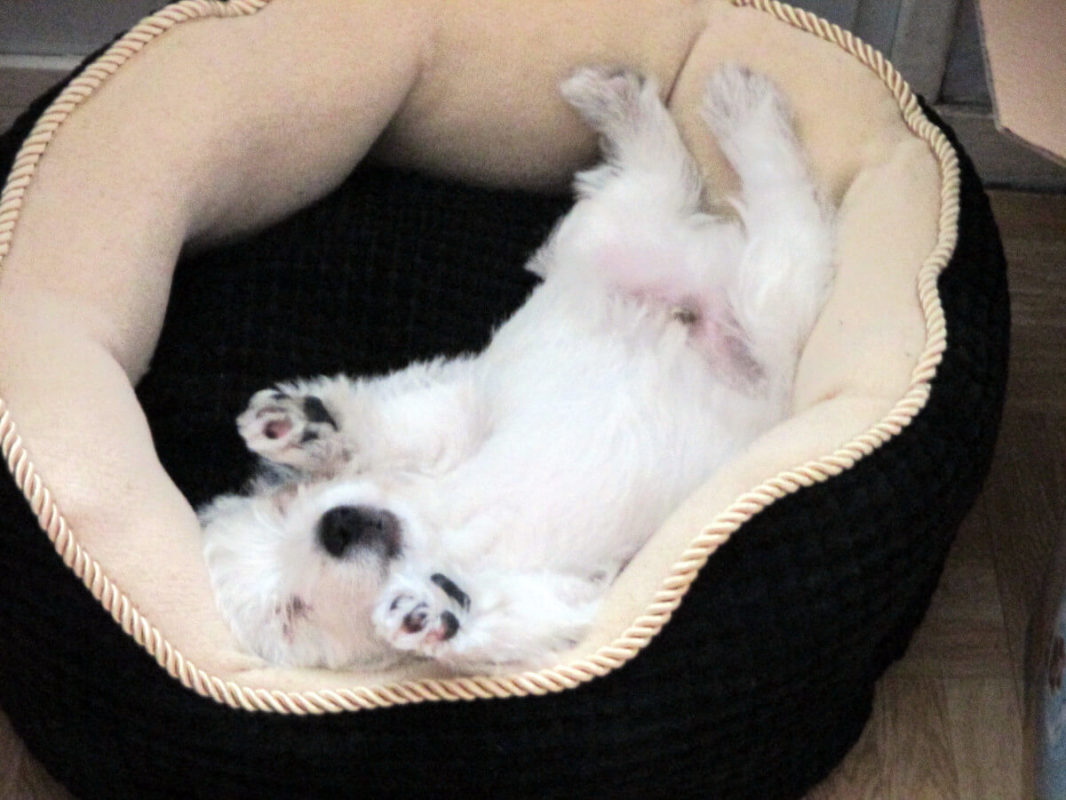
785	273
299	424
423	418
489	620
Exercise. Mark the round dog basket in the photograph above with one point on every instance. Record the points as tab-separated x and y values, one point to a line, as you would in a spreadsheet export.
349	186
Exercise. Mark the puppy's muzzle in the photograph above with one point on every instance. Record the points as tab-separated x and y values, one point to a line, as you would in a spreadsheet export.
348	530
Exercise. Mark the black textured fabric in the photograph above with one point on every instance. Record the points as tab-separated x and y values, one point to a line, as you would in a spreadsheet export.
755	689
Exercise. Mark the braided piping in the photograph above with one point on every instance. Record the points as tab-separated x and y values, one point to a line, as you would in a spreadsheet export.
684	571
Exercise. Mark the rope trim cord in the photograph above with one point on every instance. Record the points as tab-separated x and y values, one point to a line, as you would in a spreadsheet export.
684	571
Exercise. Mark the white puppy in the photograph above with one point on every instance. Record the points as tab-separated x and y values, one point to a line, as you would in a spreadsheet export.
475	510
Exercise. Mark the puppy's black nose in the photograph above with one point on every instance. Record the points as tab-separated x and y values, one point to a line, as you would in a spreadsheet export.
345	528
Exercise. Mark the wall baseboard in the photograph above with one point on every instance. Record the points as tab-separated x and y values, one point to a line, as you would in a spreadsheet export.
23	78
1001	160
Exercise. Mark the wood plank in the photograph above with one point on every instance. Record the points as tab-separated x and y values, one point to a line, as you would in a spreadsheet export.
1028	216
21	777
1036	379
915	741
1026	492
1026	512
984	719
1033	229
11	755
905	750
963	634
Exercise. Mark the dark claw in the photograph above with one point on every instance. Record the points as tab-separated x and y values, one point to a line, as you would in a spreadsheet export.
315	411
447	585
451	625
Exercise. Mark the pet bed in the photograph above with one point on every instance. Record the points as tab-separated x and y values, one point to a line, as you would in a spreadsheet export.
346	186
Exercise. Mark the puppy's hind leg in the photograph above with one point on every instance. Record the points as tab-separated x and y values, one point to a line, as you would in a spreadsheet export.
785	270
639	138
637	222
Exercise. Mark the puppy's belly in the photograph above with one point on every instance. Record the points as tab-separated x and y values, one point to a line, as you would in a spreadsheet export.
578	481
659	276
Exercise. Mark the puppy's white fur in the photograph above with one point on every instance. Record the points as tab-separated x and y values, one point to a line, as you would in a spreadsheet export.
474	510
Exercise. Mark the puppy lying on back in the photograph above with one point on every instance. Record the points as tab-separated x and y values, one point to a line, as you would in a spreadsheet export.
475	510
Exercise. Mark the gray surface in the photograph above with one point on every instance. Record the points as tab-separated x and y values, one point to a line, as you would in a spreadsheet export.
66	27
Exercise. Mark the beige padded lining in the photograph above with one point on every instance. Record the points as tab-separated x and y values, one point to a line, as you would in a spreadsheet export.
164	140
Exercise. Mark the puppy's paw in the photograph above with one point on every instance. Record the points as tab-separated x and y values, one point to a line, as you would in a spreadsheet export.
607	97
752	121
421	616
295	430
739	102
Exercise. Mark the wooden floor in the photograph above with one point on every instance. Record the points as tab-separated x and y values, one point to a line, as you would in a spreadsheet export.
948	721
